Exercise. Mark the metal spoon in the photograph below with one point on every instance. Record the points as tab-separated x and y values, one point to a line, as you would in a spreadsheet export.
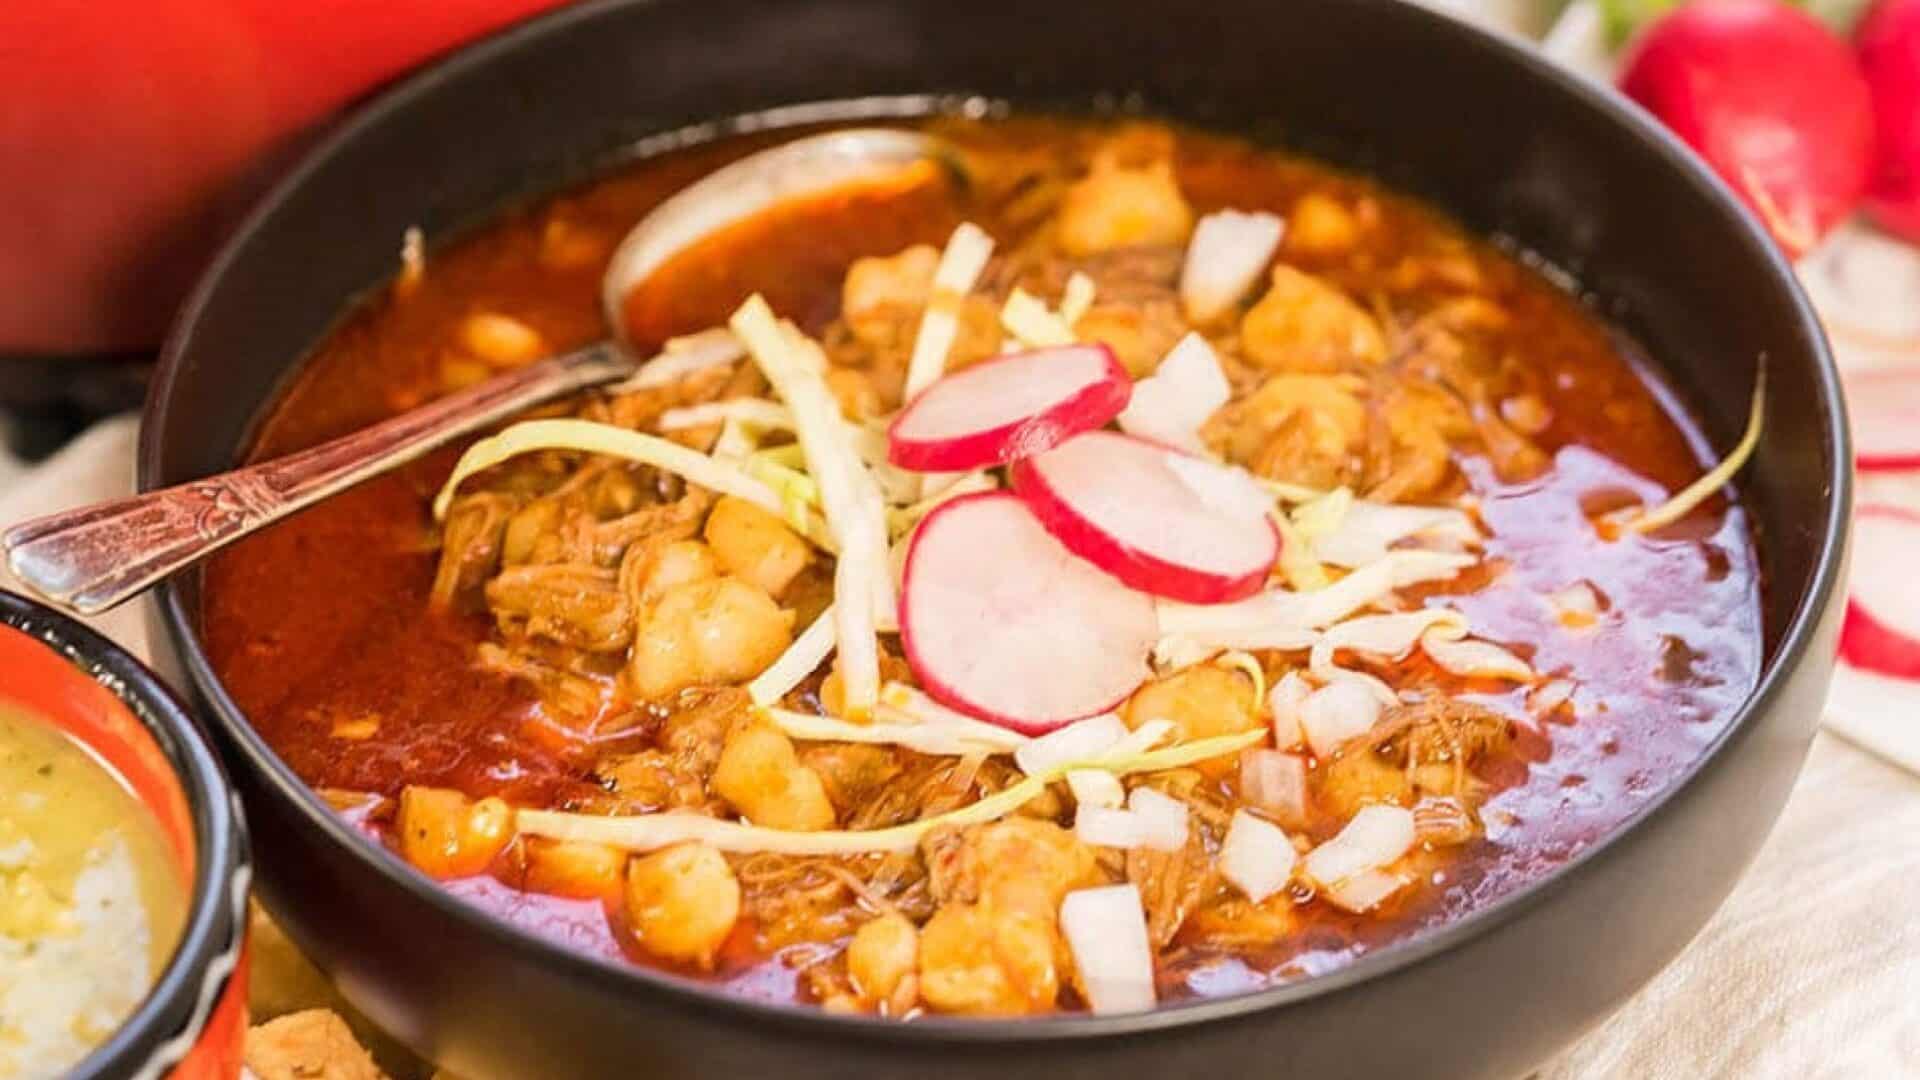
90	559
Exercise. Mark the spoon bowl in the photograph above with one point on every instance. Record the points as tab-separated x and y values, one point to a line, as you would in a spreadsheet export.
93	558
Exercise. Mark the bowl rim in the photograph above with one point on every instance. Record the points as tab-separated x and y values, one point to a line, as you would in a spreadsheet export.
204	961
1529	65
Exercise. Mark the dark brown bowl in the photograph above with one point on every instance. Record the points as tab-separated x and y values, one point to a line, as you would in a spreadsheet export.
192	1021
1479	125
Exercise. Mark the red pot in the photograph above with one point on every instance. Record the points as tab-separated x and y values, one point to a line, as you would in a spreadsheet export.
131	131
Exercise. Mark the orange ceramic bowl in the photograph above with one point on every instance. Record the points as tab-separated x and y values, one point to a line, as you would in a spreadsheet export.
192	1021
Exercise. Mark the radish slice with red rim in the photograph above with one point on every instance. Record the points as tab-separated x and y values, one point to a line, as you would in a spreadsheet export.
1882	628
1009	407
1133	509
1002	622
1885	409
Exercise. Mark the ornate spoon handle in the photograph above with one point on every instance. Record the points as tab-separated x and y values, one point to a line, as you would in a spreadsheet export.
95	557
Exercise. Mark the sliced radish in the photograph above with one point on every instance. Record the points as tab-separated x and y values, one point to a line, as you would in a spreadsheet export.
1882	628
1117	502
1011	407
1885	409
1001	621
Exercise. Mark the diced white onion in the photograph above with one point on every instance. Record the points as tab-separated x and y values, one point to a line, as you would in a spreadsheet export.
1095	788
1473	658
1229	250
1170	405
1377	836
1256	857
1082	740
1337	712
1276	783
1106	930
1284	704
1550	696
1106	826
1577	605
1161	818
1362	892
1369	529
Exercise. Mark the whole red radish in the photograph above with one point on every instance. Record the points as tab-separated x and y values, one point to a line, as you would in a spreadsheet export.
1773	101
1889	45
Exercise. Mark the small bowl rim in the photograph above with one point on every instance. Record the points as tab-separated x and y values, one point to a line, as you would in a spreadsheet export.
1796	639
204	961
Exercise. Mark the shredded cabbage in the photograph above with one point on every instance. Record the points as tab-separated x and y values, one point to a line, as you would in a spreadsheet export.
960	265
756	411
801	659
855	511
1716	478
589	437
650	832
1028	319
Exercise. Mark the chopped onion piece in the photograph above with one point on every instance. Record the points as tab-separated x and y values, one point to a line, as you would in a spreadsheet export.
1323	516
960	265
1376	836
1285	705
1577	606
1105	826
1228	252
1362	892
593	438
1368	529
1169	405
1335	713
1466	656
1028	319
1550	696
1095	787
1276	783
1082	740
1106	930
801	659
855	511
1162	819
1256	857
1388	636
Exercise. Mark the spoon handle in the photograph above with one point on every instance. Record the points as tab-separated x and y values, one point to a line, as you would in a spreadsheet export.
92	558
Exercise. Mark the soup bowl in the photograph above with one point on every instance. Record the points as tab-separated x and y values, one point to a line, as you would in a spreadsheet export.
1558	168
193	1018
